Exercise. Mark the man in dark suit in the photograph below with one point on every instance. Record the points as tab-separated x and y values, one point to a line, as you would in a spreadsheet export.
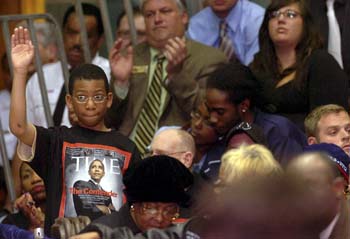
89	197
342	13
134	71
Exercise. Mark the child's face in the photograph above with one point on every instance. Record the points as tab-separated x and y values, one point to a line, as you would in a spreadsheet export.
90	102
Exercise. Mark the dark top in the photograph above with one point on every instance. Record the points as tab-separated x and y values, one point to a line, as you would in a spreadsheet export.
326	83
284	139
17	219
121	218
55	149
86	204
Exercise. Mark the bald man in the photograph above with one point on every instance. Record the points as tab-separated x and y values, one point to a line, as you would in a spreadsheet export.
318	172
176	143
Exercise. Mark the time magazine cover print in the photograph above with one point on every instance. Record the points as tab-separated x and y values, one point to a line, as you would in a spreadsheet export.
92	176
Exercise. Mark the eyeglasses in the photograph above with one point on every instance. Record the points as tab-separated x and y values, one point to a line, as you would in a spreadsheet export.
170	213
198	117
290	14
150	152
97	99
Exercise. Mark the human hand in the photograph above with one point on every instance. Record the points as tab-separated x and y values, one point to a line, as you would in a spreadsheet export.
121	61
22	50
175	52
26	205
104	209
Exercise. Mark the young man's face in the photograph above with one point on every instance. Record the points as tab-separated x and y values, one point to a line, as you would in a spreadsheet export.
223	114
72	40
92	110
164	20
333	128
96	170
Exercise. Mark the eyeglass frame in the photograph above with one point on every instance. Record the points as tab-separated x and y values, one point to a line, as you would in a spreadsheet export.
148	211
150	151
197	116
93	98
277	13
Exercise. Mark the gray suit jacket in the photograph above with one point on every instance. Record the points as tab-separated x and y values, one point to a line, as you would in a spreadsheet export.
185	90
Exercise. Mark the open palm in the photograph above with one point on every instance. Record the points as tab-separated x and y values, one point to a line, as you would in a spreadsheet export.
22	52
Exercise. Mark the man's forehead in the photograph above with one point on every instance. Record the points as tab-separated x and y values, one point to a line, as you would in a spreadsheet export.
334	120
157	4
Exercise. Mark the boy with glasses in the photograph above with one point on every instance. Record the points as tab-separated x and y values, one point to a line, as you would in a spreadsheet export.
61	155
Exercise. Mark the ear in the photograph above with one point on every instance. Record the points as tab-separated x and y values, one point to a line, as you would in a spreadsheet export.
69	102
109	99
338	187
188	159
312	140
184	18
244	106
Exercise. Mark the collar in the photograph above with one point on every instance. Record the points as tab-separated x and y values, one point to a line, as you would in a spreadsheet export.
154	53
94	182
233	18
325	234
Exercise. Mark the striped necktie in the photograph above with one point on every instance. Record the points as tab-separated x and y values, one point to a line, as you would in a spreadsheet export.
148	119
225	42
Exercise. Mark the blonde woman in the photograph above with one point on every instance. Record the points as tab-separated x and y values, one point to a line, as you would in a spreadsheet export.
247	161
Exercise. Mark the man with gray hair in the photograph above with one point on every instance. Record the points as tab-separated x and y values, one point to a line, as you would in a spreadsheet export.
158	82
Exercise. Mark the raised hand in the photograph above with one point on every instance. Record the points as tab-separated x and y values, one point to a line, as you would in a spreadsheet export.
22	52
121	61
175	52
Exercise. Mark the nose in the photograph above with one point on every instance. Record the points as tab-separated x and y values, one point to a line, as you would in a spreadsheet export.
345	135
213	118
157	17
36	178
76	39
281	17
159	217
90	104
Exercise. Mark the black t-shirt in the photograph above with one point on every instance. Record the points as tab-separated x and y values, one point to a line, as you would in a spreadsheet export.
63	156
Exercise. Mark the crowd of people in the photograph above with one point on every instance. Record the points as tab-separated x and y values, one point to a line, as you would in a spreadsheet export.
232	123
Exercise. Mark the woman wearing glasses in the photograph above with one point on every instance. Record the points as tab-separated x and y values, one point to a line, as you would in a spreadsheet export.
295	74
154	189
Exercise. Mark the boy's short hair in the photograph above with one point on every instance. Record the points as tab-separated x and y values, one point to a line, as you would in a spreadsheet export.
312	119
87	72
180	4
